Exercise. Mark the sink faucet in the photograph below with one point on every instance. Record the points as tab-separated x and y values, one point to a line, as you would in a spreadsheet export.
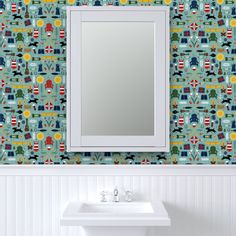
116	195
128	196
103	196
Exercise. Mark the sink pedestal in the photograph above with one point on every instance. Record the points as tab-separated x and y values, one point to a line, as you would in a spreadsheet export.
115	231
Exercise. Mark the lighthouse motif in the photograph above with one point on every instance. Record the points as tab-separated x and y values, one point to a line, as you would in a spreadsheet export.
13	7
229	33
36	33
229	89
62	90
62	34
13	64
207	8
36	146
36	90
13	120
181	120
229	147
207	64
181	64
62	147
181	7
207	121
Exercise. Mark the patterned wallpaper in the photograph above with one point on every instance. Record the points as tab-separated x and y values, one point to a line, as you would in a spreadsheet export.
33	90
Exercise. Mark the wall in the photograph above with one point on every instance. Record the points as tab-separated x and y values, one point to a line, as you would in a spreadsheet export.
200	199
33	73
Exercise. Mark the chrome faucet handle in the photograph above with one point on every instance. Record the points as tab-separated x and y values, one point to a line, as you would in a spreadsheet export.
103	196
116	195
116	192
128	196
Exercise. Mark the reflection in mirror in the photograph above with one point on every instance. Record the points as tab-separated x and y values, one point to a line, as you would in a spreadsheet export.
117	78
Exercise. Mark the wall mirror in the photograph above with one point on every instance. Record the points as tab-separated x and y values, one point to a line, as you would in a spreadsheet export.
118	79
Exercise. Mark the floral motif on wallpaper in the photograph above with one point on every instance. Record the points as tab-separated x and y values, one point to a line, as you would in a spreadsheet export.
33	83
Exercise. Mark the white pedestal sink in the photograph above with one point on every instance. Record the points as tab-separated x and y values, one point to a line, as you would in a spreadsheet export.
115	219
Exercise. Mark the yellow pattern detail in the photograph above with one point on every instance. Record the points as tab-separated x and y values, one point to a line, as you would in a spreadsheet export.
40	23
57	136
233	79
233	23
26	56
220	113
57	23
40	136
57	79
71	2
27	113
27	2
233	136
168	2
220	57
40	79
220	2
123	2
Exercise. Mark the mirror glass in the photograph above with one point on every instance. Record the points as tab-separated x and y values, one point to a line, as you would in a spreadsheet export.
117	78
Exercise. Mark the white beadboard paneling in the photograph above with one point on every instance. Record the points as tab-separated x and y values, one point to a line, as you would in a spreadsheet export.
37	191
72	193
226	202
11	205
144	187
153	184
3	208
92	188
137	188
55	208
199	202
20	205
83	188
28	206
232	214
101	186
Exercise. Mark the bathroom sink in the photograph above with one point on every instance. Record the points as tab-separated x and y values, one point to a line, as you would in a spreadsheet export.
92	214
116	208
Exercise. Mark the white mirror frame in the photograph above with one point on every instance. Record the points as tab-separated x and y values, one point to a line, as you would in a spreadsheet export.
159	142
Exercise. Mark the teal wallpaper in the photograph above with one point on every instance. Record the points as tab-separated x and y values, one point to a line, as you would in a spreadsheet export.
33	90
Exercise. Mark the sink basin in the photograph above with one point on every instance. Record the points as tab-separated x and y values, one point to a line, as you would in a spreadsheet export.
116	208
141	214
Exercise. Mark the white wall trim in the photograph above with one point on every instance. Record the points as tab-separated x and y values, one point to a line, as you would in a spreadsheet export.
117	170
199	205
